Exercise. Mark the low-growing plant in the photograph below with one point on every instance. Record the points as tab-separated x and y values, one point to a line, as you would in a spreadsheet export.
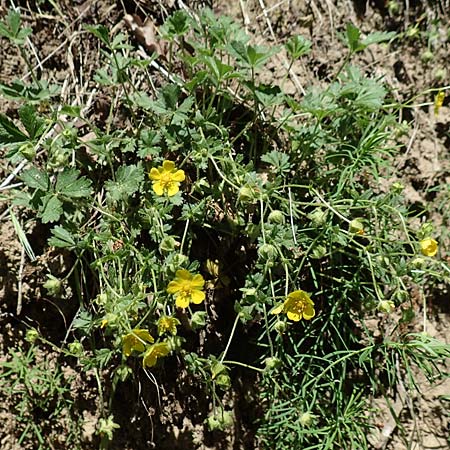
218	205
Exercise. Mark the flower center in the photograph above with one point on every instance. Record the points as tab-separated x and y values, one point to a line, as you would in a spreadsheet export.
166	179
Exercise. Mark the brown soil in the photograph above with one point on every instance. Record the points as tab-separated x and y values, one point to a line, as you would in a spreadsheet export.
69	56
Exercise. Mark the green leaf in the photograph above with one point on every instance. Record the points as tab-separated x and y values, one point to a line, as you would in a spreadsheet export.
298	46
51	209
280	161
352	35
61	238
9	133
69	185
101	32
128	181
36	179
176	25
32	123
377	37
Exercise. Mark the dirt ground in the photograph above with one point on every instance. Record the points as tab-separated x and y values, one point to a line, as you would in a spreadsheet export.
68	55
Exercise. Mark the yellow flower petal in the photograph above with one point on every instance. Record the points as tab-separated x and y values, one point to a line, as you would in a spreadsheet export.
183	274
154	174
428	246
308	312
158	188
173	287
182	301
197	281
278	309
295	316
168	166
172	189
178	176
197	297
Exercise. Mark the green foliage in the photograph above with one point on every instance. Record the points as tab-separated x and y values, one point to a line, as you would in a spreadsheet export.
222	190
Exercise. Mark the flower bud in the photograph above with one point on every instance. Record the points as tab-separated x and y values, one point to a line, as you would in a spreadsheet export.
246	194
306	419
27	151
272	363
53	285
318	217
168	244
76	348
386	306
356	226
32	335
280	326
276	216
198	320
267	252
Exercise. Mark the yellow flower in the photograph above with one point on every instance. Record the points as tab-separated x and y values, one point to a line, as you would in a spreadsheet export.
136	340
187	288
166	179
154	352
167	324
297	306
428	246
438	102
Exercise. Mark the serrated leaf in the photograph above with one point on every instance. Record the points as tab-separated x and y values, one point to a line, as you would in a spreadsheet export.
128	181
51	209
9	133
69	185
101	32
61	238
36	179
31	122
279	160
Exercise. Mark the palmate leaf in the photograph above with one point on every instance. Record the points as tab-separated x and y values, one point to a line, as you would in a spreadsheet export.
61	238
69	185
36	179
51	209
128	181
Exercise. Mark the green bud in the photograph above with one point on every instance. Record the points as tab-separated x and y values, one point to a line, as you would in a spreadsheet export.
246	194
168	244
272	363
386	306
27	151
425	230
32	335
198	320
419	263
401	295
318	217
223	380
318	251
280	326
440	74
306	419
427	56
393	7
276	216
76	348
356	226
397	188
53	285
175	343
220	421
267	252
